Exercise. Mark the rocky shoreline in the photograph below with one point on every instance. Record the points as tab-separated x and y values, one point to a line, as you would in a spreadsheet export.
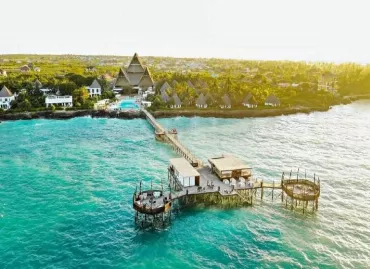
243	113
63	115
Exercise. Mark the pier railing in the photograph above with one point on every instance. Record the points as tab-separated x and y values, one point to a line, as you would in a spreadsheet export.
172	140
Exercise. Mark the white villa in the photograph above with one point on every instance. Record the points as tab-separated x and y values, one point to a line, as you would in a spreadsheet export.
59	100
94	89
6	97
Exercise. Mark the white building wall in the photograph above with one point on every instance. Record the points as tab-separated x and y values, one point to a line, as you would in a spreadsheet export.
94	91
5	102
59	100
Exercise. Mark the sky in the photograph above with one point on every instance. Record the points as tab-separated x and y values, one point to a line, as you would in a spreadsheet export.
310	30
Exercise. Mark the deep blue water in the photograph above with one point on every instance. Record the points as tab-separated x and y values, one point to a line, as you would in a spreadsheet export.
66	190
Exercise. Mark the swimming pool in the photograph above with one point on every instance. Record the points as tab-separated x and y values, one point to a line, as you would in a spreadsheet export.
128	104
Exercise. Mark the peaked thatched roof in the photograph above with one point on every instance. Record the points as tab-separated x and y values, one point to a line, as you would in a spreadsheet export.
176	99
164	96
165	86
202	84
201	100
122	79
226	100
5	92
272	99
37	84
95	84
25	68
190	84
249	99
174	83
135	65
146	80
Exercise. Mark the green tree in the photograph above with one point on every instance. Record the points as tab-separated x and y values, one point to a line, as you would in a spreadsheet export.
80	96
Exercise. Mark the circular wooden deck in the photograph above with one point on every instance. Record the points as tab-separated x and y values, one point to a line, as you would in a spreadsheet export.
301	189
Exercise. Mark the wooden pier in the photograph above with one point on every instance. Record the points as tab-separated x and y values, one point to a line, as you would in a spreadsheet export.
166	136
211	185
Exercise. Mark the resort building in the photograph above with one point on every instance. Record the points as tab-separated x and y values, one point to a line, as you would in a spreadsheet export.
37	84
164	96
228	166
182	171
6	97
165	87
249	101
190	84
25	68
94	89
272	100
146	81
201	101
225	102
176	101
65	101
135	77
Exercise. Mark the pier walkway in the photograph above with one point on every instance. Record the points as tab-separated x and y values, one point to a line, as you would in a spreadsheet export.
171	139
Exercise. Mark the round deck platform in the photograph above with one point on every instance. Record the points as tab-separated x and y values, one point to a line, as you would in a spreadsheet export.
301	189
151	202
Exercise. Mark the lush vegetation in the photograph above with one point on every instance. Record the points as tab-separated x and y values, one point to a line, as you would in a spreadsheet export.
69	74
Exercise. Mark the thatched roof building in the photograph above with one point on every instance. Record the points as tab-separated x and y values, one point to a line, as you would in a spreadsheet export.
272	100
136	75
226	101
164	96
166	86
201	101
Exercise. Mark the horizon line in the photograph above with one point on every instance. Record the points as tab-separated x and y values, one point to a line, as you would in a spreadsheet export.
194	57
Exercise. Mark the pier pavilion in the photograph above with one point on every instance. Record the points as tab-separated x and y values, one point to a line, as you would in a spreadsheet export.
228	166
182	174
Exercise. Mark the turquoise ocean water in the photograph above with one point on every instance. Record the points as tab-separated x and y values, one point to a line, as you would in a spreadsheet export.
128	104
66	190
